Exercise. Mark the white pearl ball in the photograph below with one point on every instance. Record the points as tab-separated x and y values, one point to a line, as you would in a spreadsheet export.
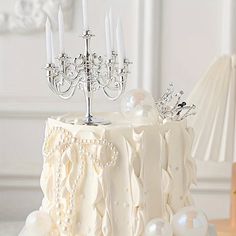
38	223
138	105
158	227
190	222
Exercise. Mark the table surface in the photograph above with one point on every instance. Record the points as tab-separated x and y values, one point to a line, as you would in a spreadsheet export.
13	229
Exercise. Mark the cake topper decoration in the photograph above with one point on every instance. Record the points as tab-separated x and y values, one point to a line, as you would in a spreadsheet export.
171	107
138	106
88	72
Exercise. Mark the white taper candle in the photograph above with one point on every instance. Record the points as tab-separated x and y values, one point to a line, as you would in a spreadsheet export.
61	31
48	41
111	29
52	48
108	37
120	44
85	14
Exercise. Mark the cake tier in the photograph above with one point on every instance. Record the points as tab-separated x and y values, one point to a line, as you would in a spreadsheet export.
111	180
102	180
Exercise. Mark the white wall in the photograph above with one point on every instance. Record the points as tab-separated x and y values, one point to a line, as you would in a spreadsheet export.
167	41
191	39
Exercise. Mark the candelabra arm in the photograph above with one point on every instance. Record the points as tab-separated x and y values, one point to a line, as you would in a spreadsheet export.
120	83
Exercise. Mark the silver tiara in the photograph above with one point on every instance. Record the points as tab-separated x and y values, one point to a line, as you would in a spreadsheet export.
170	106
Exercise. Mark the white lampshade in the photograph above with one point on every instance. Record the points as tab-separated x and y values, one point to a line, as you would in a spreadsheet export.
214	122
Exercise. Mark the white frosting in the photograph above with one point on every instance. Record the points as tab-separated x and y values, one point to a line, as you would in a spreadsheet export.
179	168
109	180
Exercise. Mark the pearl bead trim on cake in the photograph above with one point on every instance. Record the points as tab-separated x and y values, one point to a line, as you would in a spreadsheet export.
64	140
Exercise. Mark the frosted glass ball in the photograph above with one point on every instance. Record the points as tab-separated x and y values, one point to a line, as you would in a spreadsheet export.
138	105
190	222
38	223
158	227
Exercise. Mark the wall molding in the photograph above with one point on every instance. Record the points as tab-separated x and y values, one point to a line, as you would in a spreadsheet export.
30	15
228	38
45	109
209	186
213	185
14	182
149	46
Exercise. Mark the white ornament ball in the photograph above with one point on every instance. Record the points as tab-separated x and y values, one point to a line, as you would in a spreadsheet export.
158	227
139	105
190	222
38	223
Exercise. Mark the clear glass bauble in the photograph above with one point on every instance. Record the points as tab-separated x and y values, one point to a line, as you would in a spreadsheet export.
158	227
190	222
38	223
138	106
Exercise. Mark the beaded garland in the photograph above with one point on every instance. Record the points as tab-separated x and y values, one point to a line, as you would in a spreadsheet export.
64	139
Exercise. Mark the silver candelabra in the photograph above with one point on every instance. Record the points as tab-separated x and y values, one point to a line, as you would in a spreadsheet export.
88	72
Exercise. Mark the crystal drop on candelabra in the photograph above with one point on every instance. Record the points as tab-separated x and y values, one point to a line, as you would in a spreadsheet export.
139	106
190	221
158	227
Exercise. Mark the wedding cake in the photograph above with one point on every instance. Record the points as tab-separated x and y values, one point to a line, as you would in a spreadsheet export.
112	180
110	177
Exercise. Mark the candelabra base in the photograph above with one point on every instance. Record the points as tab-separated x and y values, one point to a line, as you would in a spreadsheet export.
89	121
95	121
